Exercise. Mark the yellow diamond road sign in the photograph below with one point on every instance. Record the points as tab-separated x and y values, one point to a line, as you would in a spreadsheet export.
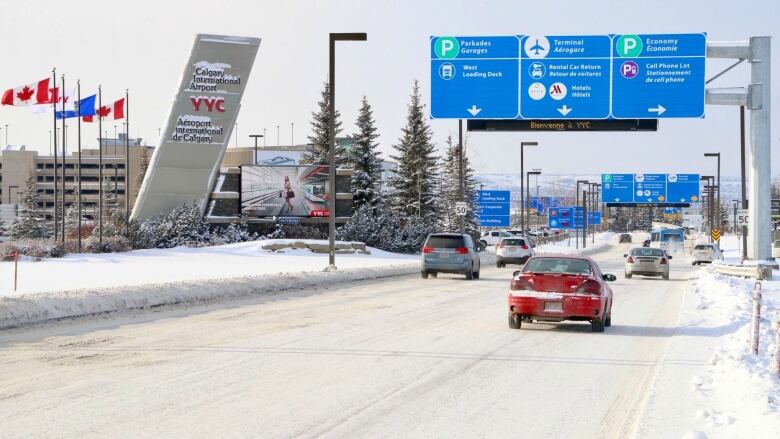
716	234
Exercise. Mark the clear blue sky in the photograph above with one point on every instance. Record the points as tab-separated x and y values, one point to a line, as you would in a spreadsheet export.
142	45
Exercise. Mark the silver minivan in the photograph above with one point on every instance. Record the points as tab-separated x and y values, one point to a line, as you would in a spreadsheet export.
450	253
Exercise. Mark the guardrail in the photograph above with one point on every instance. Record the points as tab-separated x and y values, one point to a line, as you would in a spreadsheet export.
760	272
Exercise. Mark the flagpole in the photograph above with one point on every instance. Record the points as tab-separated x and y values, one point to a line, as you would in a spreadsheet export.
127	159
78	172
56	172
64	143
100	169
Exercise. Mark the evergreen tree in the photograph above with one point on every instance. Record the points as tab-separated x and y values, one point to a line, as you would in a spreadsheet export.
139	178
414	183
72	219
111	212
30	222
450	191
319	141
364	159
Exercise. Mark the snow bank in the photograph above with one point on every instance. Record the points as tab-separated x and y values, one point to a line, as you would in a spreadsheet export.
604	241
740	392
83	284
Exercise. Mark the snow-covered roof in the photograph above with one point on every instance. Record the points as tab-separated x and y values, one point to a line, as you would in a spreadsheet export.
15	148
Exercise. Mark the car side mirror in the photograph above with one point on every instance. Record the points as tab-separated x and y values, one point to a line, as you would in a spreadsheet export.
625	255
516	273
609	277
669	257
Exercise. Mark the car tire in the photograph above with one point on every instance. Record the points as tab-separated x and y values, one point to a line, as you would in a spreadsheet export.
424	274
665	276
514	321
476	275
597	325
608	320
628	275
470	273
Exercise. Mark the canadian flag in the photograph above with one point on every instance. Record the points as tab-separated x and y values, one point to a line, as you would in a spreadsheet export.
30	94
118	110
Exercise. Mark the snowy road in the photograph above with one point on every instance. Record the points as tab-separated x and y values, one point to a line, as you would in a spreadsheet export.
401	357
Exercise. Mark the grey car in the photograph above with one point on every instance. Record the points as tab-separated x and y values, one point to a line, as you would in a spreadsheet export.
646	261
450	253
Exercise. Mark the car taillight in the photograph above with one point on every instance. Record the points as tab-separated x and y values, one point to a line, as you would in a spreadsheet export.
589	287
462	250
524	246
427	249
663	261
519	283
630	260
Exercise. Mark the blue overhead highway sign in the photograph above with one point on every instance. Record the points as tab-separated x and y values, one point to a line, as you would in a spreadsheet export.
660	189
565	77
658	76
474	77
568	77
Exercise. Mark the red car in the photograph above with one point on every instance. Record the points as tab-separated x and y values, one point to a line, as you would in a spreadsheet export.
558	288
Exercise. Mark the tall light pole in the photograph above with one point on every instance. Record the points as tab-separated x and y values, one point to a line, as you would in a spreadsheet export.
264	138
528	194
255	136
576	205
522	189
236	135
717	155
332	138
292	133
277	136
6	134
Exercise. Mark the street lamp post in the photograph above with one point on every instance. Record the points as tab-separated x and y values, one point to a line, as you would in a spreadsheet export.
522	189
577	204
527	207
255	136
717	155
332	138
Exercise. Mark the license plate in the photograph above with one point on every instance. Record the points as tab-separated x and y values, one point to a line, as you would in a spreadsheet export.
444	255
553	306
512	249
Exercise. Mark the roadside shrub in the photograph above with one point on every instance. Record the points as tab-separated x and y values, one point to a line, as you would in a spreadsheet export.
111	244
8	250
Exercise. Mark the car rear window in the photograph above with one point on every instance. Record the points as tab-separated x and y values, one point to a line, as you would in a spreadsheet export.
703	247
513	242
556	265
655	252
440	241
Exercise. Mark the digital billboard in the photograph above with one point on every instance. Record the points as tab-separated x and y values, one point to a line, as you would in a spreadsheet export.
290	191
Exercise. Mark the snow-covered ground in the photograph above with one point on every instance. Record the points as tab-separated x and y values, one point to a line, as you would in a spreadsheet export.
83	284
602	241
711	383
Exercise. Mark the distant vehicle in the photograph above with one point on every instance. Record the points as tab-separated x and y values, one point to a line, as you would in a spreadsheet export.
558	288
776	249
647	262
668	239
450	253
514	250
706	253
493	237
624	237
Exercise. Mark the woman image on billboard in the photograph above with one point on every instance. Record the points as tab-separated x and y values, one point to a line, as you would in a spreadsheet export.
288	193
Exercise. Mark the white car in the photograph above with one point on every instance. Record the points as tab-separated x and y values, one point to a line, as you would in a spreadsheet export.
776	249
706	253
492	238
514	250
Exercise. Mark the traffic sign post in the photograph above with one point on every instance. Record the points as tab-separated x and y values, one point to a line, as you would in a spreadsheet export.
650	189
461	208
474	77
658	76
493	208
565	77
587	77
715	234
742	218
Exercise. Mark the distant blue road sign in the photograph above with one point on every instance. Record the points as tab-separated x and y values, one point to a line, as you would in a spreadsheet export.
570	218
493	208
660	189
658	76
474	77
568	77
